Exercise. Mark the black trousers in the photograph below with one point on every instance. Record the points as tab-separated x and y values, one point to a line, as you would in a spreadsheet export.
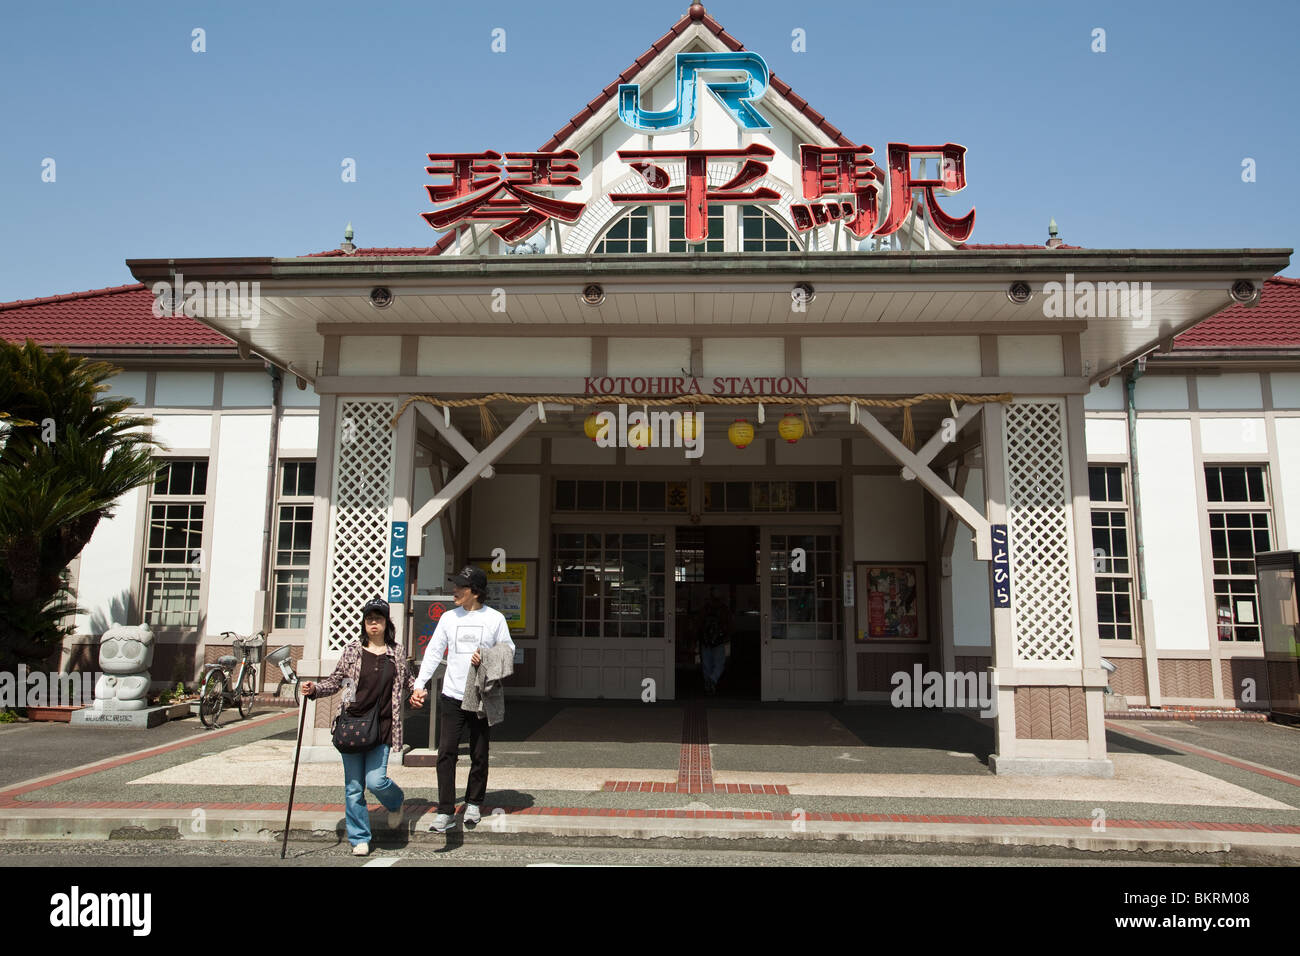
453	724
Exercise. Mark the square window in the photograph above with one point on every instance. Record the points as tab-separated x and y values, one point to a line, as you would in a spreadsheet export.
565	496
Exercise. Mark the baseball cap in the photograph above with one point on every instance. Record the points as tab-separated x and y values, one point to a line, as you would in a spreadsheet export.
471	577
376	606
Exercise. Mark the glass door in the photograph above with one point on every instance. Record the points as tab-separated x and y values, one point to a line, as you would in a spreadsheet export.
802	650
611	630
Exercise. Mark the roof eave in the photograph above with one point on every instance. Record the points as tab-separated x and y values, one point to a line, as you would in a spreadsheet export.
1247	263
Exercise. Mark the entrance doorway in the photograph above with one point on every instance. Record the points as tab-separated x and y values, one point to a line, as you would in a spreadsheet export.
718	595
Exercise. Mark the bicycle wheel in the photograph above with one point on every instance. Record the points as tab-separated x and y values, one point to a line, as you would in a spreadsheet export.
247	692
212	698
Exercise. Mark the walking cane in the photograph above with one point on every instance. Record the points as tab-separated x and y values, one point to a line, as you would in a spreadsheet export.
297	750
282	660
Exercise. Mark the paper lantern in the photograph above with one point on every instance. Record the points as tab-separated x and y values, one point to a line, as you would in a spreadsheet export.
638	436
741	433
592	426
791	427
689	426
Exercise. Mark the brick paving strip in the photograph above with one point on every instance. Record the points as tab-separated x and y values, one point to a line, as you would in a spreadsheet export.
1175	744
695	775
9	795
695	766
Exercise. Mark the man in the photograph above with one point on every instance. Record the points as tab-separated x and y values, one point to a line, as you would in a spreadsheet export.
463	633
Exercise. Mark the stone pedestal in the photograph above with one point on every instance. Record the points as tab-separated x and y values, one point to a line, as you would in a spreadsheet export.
128	719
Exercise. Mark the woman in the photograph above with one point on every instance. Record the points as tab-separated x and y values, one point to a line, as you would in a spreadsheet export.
371	672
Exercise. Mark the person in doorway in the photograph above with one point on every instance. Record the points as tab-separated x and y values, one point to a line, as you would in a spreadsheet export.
715	628
463	633
371	673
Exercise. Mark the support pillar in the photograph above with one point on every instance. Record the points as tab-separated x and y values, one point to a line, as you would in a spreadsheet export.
1046	657
351	527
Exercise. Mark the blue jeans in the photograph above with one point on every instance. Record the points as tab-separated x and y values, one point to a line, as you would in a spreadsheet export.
367	771
712	661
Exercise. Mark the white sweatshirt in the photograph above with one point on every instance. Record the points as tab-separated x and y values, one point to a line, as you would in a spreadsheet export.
464	632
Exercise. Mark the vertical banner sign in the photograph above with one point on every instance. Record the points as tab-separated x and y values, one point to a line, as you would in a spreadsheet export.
1001	567
397	564
848	589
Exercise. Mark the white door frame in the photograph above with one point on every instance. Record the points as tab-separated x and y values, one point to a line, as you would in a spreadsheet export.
832	649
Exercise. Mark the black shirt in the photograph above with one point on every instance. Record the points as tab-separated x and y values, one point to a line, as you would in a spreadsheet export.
376	684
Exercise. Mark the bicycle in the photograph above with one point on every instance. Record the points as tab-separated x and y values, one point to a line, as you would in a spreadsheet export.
217	688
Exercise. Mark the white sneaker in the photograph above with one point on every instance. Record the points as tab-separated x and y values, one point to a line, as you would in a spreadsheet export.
472	814
395	818
361	849
443	822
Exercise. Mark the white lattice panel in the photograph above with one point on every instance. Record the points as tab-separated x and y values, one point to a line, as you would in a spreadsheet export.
1040	532
364	449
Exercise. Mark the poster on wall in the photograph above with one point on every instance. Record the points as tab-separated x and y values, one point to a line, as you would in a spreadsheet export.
508	593
891	602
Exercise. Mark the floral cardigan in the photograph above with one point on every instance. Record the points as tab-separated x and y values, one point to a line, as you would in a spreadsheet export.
346	674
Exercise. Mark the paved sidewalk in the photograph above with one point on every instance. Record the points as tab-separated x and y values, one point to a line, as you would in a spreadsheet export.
725	773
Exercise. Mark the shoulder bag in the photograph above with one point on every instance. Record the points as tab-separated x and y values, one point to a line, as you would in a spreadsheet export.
354	735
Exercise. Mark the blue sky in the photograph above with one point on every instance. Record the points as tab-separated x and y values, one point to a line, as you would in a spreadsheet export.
163	152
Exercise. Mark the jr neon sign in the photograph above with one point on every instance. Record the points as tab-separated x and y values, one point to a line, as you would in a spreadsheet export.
734	95
840	184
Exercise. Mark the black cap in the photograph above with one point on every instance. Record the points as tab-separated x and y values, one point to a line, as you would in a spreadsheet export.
471	577
376	606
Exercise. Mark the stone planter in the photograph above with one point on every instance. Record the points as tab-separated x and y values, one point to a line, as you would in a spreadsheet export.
59	714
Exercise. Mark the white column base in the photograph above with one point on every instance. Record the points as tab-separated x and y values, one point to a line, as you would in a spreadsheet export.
1051	766
320	753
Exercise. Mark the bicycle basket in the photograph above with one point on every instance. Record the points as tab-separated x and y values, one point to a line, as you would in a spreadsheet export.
252	648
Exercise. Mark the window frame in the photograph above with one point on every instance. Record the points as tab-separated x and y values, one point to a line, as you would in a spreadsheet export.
764	216
296	501
1124	506
635	212
195	617
1213	577
656	626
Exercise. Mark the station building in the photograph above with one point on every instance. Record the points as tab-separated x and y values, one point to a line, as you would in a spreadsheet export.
914	454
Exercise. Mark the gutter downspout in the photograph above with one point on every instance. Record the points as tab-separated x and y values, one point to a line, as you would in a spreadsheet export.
1150	661
273	454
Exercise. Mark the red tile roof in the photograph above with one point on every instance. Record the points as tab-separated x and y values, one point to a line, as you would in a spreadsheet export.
122	317
1272	324
117	317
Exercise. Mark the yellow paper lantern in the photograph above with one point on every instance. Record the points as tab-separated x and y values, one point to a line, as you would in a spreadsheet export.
638	436
791	427
689	426
592	426
741	433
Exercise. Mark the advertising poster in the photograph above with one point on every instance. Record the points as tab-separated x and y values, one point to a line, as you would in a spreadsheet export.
891	602
508	593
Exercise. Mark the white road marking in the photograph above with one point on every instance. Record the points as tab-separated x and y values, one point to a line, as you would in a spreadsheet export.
382	861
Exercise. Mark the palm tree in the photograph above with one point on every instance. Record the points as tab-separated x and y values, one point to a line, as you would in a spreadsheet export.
67	454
